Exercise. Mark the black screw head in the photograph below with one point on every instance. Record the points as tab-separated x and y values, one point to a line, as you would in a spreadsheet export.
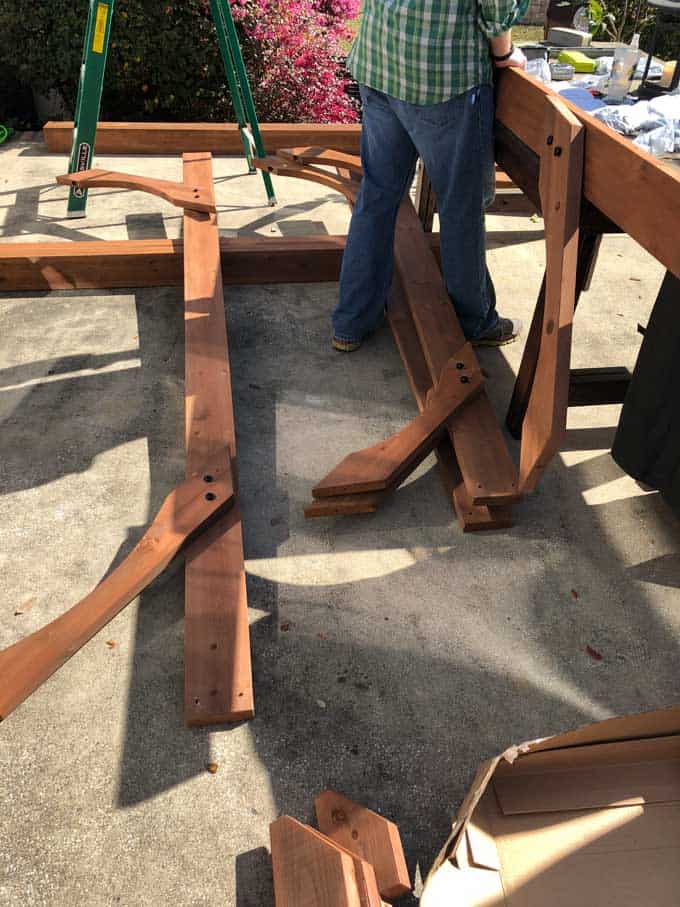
460	365
464	379
210	496
558	151
550	140
208	479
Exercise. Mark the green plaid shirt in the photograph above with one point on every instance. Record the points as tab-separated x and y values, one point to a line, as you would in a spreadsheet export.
428	51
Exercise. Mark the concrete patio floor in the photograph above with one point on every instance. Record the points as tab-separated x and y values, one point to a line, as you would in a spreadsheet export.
391	653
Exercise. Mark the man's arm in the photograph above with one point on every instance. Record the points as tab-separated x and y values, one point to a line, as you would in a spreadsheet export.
496	18
502	46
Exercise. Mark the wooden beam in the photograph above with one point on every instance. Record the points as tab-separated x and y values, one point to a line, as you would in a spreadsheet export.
218	678
28	663
368	835
489	473
588	247
176	193
386	464
471	517
218	138
109	264
560	185
635	190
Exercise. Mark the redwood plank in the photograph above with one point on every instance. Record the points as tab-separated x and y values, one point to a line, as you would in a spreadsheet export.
471	517
385	465
312	871
109	264
326	157
635	190
176	193
368	835
28	663
218	678
489	473
218	138
560	186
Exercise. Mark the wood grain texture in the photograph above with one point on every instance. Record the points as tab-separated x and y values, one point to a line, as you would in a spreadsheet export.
179	194
471	517
24	666
386	464
108	264
344	505
588	247
560	185
218	138
218	677
489	473
312	871
635	190
368	835
326	157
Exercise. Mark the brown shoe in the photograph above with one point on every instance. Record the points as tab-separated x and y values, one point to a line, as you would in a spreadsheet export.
345	346
507	330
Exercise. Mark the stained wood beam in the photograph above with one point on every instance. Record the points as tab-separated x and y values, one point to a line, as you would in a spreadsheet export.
560	182
639	193
386	464
176	193
218	138
489	473
27	664
218	677
471	517
109	264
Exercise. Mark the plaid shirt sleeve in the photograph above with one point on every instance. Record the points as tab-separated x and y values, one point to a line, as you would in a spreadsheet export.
498	16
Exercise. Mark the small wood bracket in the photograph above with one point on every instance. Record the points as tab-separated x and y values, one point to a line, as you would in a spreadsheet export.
385	465
185	512
194	198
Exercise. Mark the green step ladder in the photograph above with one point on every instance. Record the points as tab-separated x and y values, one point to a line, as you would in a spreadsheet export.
91	83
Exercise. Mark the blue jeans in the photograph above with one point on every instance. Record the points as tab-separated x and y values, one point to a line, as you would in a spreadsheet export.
455	141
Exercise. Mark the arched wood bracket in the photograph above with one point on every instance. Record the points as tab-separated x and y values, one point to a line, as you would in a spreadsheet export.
384	466
283	167
185	512
325	157
194	198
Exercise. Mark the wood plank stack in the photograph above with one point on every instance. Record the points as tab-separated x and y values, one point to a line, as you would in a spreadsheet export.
355	860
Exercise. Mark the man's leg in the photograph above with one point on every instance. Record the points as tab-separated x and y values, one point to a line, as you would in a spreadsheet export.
388	158
455	141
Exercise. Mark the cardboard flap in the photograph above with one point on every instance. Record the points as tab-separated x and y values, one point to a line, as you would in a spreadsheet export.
645	724
482	851
450	886
606	775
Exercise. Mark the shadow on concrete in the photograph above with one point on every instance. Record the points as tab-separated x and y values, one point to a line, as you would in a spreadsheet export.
401	723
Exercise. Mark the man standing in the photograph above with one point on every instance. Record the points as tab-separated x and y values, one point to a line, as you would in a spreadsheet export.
425	74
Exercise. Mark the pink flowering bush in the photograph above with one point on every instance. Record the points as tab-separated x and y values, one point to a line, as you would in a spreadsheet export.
164	62
296	47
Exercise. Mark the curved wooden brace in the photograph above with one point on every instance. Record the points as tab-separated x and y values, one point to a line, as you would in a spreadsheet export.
327	157
280	167
179	194
386	465
28	663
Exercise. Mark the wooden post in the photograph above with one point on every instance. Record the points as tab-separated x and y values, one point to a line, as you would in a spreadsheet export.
560	184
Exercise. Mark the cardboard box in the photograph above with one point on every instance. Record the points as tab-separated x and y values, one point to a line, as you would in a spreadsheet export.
590	818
